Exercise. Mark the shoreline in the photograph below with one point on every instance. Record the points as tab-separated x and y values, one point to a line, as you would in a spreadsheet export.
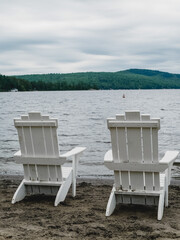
94	181
83	217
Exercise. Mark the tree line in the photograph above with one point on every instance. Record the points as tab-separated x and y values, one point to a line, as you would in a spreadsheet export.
128	79
9	83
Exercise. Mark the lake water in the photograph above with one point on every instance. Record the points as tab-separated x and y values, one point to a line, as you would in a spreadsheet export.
82	122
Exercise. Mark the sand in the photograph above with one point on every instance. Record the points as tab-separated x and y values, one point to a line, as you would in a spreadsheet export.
83	217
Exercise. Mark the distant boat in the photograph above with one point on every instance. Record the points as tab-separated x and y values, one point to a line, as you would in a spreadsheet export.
14	90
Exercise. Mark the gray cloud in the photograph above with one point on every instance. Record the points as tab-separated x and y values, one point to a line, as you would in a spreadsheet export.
70	36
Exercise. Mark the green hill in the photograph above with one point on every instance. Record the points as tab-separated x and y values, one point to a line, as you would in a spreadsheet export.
128	79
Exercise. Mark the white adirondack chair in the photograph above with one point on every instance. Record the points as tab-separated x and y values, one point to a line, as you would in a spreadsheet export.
39	154
139	177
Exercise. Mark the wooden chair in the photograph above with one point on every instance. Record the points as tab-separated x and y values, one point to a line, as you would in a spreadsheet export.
39	154
139	177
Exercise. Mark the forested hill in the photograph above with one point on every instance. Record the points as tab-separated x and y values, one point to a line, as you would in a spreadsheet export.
128	79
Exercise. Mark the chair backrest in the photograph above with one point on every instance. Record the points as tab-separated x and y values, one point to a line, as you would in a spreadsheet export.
134	139
38	139
37	135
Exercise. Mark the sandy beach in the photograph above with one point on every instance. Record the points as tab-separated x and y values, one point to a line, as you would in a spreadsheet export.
83	217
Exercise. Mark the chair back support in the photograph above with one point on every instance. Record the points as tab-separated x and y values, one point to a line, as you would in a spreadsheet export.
38	139
134	138
37	135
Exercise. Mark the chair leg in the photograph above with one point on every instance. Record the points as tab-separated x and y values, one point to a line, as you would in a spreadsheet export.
161	206
111	203
74	187
20	193
74	174
166	196
166	191
63	190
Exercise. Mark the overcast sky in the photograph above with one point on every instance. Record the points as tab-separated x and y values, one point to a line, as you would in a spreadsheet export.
62	36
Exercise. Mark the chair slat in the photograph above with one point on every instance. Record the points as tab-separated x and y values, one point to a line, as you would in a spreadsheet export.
122	145
137	181
125	180
114	145
43	172
21	140
156	181
147	145
53	173
26	172
117	179
50	150
149	181
155	144
134	145
28	141
33	173
37	140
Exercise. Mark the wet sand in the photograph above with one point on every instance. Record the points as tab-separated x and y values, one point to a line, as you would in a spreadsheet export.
83	217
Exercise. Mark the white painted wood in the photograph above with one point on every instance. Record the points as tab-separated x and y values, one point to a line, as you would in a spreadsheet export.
75	151
161	206
138	174
132	115
45	190
134	144
33	173
19	123
63	189
155	144
42	183
20	193
21	140
115	150
40	160
122	145
136	166
126	199
39	154
74	174
147	145
118	181
149	181
125	180
140	200
137	182
26	172
169	157
133	124
111	203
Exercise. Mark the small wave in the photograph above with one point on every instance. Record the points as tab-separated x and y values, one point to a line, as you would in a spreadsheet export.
95	119
68	135
92	163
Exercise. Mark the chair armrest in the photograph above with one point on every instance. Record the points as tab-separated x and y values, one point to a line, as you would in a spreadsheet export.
17	154
74	152
169	157
108	156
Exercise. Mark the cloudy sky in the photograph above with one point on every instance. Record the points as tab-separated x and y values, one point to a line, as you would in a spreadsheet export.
61	36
